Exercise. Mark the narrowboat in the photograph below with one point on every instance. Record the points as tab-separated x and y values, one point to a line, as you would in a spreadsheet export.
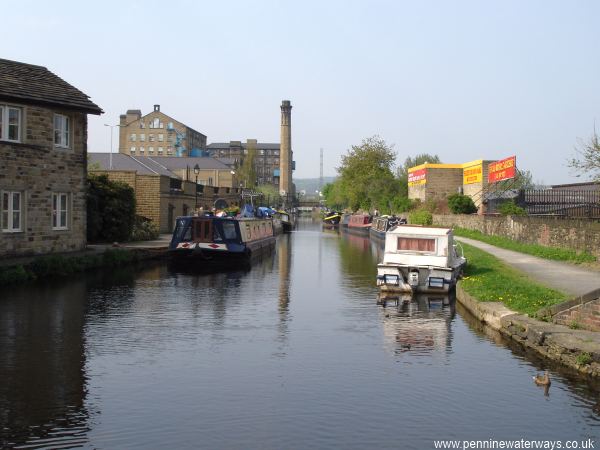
288	221
382	224
208	239
332	220
359	224
420	259
344	221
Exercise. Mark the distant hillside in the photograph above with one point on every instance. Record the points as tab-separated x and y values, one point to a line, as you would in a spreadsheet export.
310	185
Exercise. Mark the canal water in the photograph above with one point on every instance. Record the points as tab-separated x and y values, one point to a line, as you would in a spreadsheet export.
292	354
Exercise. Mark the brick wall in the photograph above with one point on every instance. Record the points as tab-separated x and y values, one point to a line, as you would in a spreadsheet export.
581	235
37	169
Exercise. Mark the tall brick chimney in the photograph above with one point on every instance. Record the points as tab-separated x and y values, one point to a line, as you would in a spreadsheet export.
285	157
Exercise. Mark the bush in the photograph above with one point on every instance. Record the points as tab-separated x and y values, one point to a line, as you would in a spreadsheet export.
420	217
110	210
510	208
401	204
144	229
461	204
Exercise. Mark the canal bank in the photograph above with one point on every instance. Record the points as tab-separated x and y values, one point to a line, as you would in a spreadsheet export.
559	336
95	256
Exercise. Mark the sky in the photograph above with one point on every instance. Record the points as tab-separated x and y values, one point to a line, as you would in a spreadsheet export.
464	80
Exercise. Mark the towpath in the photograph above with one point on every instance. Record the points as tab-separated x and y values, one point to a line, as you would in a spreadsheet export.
568	278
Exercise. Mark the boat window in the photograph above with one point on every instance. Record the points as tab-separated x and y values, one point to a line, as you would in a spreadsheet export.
416	244
183	232
229	230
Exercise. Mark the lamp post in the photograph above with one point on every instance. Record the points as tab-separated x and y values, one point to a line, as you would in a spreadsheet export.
196	171
111	144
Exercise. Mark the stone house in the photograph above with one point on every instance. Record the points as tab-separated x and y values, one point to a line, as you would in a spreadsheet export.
166	187
43	161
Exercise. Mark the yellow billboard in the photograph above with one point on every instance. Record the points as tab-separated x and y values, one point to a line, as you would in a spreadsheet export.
473	174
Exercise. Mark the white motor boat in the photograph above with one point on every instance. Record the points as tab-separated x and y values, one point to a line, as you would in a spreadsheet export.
420	259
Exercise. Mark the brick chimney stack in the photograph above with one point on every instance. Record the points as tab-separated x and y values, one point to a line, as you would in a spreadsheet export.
285	157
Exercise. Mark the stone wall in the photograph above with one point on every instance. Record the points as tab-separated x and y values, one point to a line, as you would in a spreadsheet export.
586	316
156	200
37	168
580	235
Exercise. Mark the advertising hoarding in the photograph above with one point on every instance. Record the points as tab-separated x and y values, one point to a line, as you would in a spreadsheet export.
504	169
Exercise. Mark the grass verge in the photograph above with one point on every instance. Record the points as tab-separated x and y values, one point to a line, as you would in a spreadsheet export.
490	280
557	254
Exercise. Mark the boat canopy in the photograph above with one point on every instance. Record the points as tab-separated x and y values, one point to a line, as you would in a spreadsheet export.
420	246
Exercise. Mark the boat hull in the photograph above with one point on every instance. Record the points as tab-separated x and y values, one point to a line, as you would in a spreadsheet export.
417	279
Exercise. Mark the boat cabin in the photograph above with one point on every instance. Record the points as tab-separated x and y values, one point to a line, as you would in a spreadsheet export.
420	246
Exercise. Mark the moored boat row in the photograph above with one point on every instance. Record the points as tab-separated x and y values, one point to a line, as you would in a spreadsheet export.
416	258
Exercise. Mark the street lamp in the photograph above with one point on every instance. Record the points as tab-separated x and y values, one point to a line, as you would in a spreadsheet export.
111	144
196	171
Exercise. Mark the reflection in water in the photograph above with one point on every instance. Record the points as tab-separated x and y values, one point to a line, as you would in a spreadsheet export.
284	260
292	353
421	324
42	387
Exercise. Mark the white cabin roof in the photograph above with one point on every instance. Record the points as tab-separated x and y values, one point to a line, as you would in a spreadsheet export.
420	231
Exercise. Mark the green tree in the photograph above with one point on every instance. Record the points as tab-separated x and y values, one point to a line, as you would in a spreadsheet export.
365	174
246	171
110	210
588	159
412	162
270	194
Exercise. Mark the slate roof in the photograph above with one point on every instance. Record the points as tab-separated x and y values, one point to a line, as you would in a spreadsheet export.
259	145
37	85
158	165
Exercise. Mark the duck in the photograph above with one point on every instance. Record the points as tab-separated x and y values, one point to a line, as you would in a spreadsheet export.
542	380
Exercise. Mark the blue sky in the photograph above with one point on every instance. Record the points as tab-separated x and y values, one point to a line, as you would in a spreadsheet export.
462	79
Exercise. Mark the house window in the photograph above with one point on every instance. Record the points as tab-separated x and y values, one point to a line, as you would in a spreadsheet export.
156	123
142	124
60	209
161	125
11	211
160	150
150	138
169	150
133	137
161	137
132	150
276	152
170	126
142	150
142	137
151	150
62	130
10	123
210	181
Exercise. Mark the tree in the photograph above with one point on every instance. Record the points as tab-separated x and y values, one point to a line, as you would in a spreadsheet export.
110	209
246	172
412	162
588	160
366	178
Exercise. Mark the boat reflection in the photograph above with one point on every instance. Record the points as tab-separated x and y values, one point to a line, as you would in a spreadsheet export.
419	324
